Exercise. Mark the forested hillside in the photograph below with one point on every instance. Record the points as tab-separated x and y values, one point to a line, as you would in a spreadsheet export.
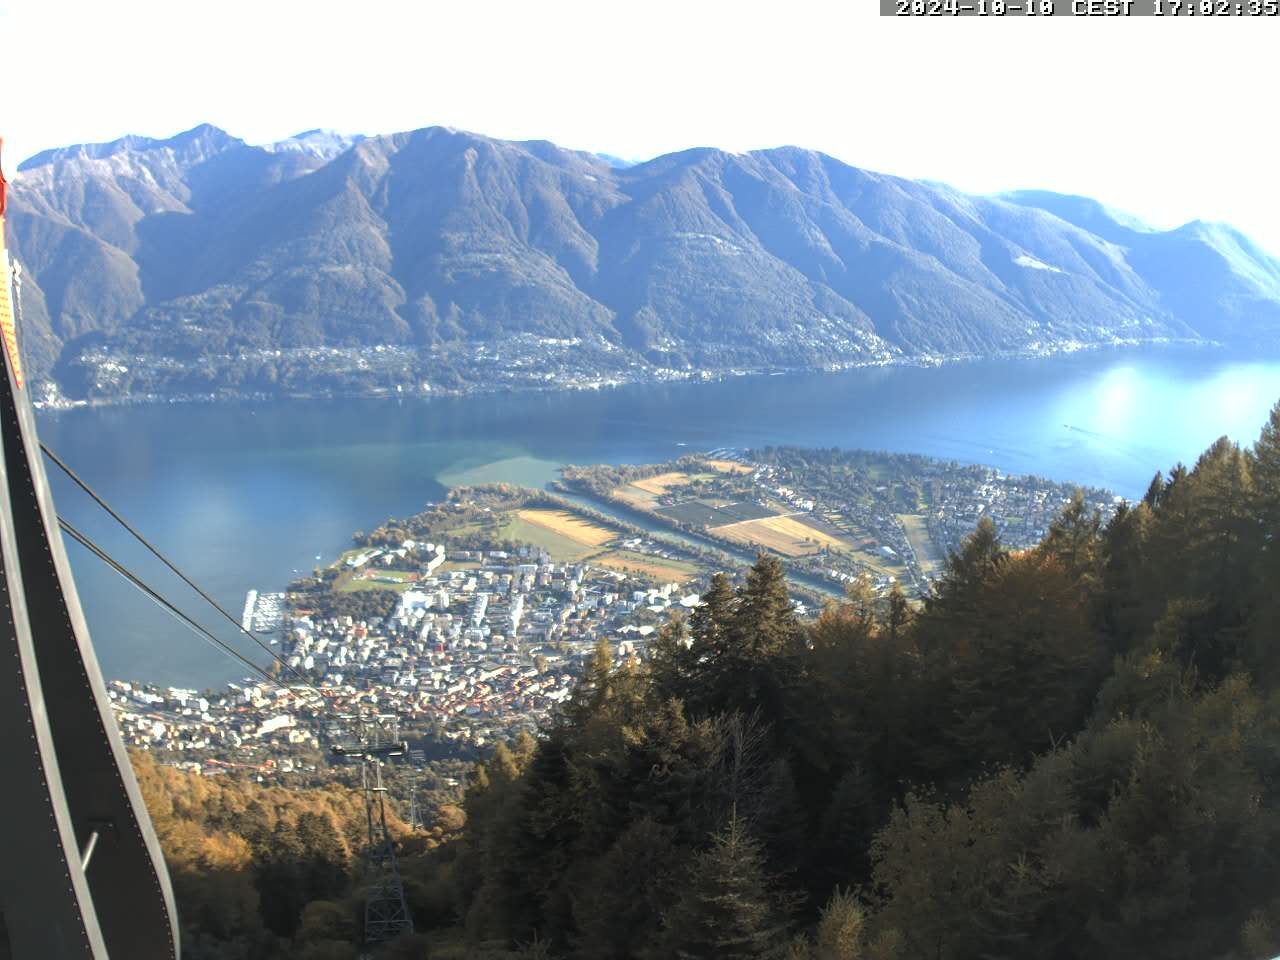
201	264
1071	751
270	873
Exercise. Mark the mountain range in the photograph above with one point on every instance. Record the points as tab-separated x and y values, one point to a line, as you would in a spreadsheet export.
160	254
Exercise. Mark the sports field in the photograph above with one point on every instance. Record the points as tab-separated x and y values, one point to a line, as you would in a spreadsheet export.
397	580
785	535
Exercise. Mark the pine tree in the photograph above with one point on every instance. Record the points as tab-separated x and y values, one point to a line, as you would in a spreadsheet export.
1074	540
841	929
710	620
1023	666
765	620
1155	491
760	642
848	823
956	598
592	689
782	822
966	570
1265	463
624	891
671	661
1263	639
725	911
1128	607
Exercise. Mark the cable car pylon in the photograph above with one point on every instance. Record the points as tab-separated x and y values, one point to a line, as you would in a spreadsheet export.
415	811
81	873
373	740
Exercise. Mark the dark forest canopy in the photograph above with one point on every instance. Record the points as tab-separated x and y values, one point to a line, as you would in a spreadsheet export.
1068	751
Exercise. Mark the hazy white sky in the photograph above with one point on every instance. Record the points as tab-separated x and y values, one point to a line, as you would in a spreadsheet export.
1171	119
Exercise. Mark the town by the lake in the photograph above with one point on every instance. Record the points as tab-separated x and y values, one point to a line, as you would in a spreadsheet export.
470	621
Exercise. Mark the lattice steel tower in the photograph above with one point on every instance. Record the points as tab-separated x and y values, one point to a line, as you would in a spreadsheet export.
415	811
386	913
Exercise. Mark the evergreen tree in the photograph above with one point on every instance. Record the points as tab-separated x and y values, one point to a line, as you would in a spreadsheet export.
725	910
1074	540
1127	606
1022	669
625	890
765	622
841	929
671	661
1264	462
955	597
710	621
1155	491
1263	632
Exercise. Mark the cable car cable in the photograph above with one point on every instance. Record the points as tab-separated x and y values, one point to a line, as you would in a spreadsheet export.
83	485
325	706
137	581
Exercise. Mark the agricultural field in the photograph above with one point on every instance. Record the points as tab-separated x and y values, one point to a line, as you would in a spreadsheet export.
928	556
696	513
561	548
633	496
658	569
643	494
658	485
729	466
783	534
565	537
567	525
714	513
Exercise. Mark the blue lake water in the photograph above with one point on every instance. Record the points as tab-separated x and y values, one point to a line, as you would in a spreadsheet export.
242	495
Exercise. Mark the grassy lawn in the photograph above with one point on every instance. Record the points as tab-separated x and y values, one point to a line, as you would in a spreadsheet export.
352	585
927	554
450	565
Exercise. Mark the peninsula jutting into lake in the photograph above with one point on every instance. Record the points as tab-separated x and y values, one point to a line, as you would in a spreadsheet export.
472	618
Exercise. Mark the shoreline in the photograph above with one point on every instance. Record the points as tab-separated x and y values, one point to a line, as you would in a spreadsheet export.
1065	349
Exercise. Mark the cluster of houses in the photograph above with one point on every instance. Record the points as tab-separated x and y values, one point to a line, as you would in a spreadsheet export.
1022	508
469	654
